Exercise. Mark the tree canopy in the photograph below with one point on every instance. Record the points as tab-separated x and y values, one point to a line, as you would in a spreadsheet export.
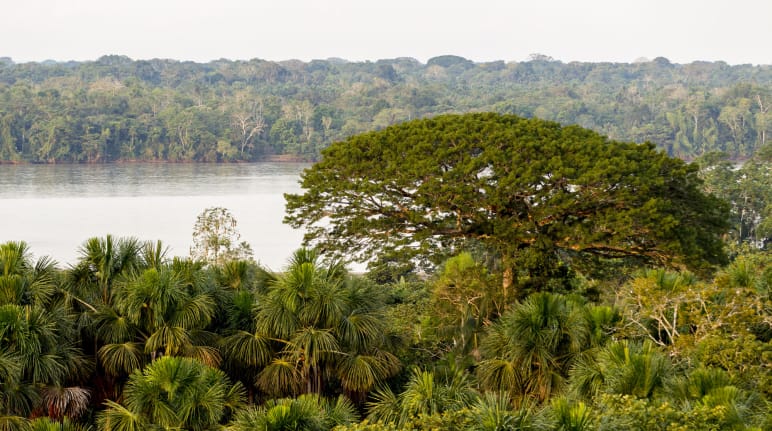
116	108
536	194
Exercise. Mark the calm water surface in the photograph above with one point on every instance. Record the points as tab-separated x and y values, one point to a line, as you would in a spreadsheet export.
55	208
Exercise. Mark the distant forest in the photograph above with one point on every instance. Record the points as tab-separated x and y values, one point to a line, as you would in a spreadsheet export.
119	109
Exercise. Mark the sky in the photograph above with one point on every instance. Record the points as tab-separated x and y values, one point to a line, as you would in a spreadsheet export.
734	31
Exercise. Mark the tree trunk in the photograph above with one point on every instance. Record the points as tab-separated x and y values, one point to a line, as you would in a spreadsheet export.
507	281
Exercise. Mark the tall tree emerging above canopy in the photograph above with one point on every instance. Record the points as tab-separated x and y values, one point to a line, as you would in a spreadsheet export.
532	191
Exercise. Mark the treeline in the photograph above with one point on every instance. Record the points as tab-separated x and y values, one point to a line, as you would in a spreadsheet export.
118	109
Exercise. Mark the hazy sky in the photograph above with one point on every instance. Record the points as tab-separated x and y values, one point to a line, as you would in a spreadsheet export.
735	31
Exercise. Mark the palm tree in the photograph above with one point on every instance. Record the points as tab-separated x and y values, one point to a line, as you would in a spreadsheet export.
14	423
323	326
173	393
305	413
714	387
36	357
155	308
465	299
494	412
623	368
102	262
21	281
65	402
568	416
90	290
634	369
153	254
171	317
532	347
424	394
48	424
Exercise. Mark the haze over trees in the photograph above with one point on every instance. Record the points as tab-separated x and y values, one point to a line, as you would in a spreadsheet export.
119	109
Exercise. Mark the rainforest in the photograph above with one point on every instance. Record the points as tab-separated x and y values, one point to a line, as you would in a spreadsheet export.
548	246
119	109
521	275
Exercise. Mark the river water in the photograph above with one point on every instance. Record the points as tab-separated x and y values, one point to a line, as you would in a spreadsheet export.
55	208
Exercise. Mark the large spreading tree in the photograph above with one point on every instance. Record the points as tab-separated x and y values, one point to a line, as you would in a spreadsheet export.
536	194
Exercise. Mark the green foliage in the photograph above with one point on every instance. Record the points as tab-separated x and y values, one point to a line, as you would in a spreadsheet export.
465	299
626	412
46	424
571	416
304	413
426	395
748	188
657	304
109	344
724	323
494	412
536	194
106	110
173	392
530	350
311	327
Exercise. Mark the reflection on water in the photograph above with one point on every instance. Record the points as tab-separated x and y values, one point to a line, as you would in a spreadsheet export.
57	207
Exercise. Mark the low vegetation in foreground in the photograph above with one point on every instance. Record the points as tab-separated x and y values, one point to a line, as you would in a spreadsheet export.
511	286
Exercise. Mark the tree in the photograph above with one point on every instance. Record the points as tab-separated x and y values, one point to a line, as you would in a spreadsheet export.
426	393
538	194
465	300
173	393
305	413
170	315
748	189
530	350
38	355
331	328
216	239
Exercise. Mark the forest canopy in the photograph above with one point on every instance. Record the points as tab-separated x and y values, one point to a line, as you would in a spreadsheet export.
118	109
530	191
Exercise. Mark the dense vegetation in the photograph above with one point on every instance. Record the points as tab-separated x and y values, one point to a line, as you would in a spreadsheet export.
130	339
537	196
118	109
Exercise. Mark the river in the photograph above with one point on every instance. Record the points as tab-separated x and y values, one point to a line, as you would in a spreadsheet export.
55	208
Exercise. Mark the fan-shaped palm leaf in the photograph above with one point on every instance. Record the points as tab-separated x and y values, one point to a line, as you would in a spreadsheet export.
170	340
122	358
499	375
384	406
14	423
61	401
360	330
194	312
276	319
325	305
153	254
571	416
494	412
280	377
48	424
633	369
112	327
207	355
310	346
118	418
247	350
360	373
341	412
